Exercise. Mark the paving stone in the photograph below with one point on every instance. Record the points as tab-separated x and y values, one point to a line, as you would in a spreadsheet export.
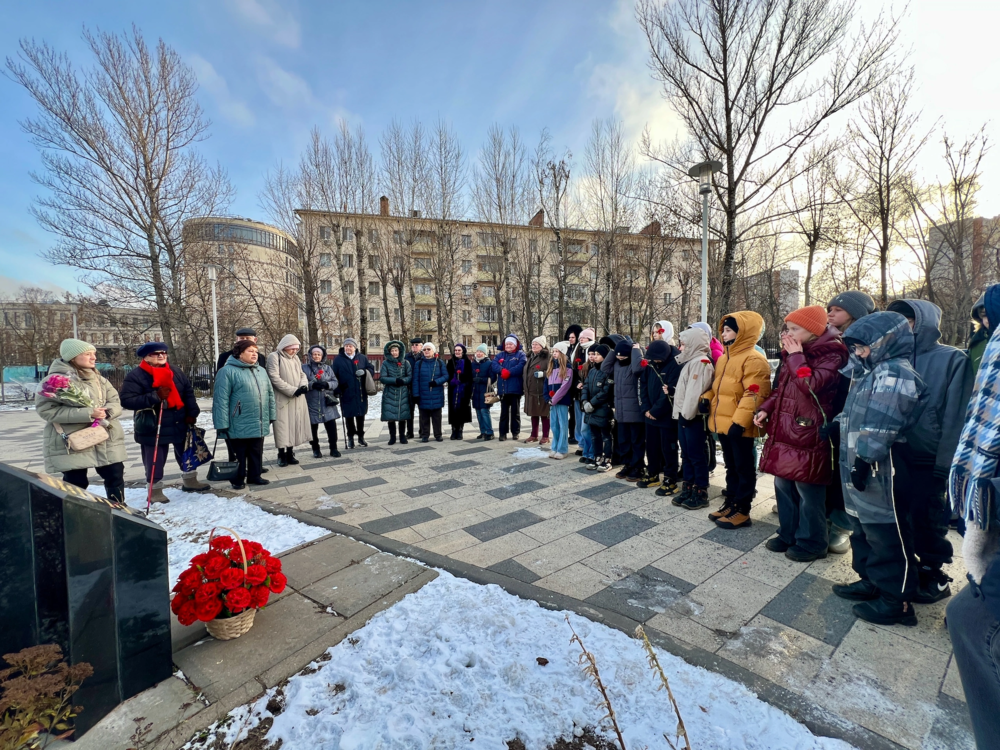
513	569
952	729
606	490
513	490
455	466
779	653
286	483
357	484
327	512
389	465
433	487
325	557
400	521
496	550
744	539
698	560
577	581
522	468
642	594
416	449
559	554
501	525
470	451
810	606
727	601
617	529
352	589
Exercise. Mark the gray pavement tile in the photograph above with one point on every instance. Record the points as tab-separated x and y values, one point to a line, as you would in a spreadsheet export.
430	489
513	490
417	449
388	465
808	605
521	468
617	529
400	521
350	590
289	482
484	531
513	569
357	484
744	539
327	512
606	490
952	729
455	466
642	595
320	559
469	451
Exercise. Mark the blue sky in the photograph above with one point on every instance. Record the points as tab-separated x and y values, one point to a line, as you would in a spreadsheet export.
269	71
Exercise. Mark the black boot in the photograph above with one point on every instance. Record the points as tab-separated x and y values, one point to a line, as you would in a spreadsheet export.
392	434
402	437
859	591
361	439
290	456
884	611
932	586
334	453
350	441
697	499
459	433
317	453
678	500
282	457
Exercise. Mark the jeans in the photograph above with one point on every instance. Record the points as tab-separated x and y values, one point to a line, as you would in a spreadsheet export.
249	458
692	440
427	417
661	449
156	472
485	421
741	471
582	434
974	627
559	416
632	447
802	515
112	474
878	556
922	500
603	444
510	414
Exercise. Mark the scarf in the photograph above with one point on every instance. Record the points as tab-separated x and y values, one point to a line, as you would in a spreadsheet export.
164	376
978	453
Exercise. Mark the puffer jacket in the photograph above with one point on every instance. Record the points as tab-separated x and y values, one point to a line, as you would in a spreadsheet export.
696	373
425	372
513	384
72	418
138	395
320	372
243	401
535	404
653	377
798	447
579	362
626	381
351	388
881	406
559	387
395	377
599	390
459	389
292	425
732	400
981	336
482	376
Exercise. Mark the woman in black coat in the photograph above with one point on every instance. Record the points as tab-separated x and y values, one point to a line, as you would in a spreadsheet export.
349	366
459	391
153	385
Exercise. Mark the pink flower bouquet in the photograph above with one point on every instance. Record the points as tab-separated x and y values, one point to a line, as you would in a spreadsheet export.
63	389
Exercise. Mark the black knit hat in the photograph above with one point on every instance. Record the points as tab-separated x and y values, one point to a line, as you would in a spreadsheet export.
731	324
599	349
855	303
658	351
623	349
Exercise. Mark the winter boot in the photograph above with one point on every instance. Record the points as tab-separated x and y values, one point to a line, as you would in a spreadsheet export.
458	433
290	457
361	439
737	519
402	437
392	433
697	499
884	611
723	511
840	540
648	481
350	441
158	496
282	457
334	453
487	437
859	591
480	436
796	554
190	483
317	453
454	434
604	465
667	487
932	586
677	500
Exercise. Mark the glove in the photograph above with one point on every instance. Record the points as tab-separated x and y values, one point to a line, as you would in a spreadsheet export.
416	400
833	431
163	392
704	407
860	473
302	391
539	374
735	431
318	385
190	420
505	373
588	407
432	384
360	372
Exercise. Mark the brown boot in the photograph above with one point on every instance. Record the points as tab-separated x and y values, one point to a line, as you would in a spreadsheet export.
190	483
722	512
158	496
735	520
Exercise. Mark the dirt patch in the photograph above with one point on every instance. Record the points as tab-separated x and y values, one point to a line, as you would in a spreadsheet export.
589	740
256	738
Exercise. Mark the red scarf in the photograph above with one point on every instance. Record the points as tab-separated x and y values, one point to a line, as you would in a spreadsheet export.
164	376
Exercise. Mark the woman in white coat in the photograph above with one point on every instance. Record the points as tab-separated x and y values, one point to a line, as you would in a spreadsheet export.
290	388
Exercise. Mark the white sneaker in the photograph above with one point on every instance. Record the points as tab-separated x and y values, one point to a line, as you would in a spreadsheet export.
557	456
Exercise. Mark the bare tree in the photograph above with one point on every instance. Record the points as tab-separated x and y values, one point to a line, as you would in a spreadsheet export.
553	178
811	201
754	83
121	170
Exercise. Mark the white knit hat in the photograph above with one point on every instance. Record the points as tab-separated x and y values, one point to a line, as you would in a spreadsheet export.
562	346
541	341
430	346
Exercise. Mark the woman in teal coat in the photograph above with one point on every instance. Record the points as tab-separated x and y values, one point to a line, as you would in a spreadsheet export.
243	409
395	377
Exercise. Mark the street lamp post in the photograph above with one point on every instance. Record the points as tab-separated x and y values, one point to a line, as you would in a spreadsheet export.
703	173
73	308
213	275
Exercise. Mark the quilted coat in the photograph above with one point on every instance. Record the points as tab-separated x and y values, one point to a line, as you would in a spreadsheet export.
653	377
513	384
138	395
351	388
626	380
732	399
395	377
482	376
429	379
243	400
599	390
320	372
291	428
535	404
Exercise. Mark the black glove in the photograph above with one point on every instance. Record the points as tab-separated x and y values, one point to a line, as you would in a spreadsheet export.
302	391
431	384
735	431
703	406
360	372
832	432
318	385
860	473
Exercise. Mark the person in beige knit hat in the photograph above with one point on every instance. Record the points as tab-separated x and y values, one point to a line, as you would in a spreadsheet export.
535	404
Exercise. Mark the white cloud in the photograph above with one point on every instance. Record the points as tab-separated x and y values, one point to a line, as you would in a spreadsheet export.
231	108
272	18
284	88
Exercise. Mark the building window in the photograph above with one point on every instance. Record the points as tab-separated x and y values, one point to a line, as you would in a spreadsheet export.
373	236
422	289
325	233
488	265
325	260
467	241
232	285
397	314
374	262
466	316
487	314
533	246
346	234
397	237
467	342
466	290
428	338
668	298
373	288
375	340
349	288
490	340
575	247
488	291
466	266
425	315
347	261
326	287
373	314
423	264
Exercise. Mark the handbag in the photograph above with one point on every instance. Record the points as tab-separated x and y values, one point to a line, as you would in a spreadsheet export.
330	398
196	452
222	471
81	440
491	396
370	388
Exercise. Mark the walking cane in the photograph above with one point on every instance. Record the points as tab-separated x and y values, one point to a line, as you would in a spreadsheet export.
156	448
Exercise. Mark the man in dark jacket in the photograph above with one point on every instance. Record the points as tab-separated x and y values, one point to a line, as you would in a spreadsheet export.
415	353
922	462
659	370
597	401
159	393
624	367
243	334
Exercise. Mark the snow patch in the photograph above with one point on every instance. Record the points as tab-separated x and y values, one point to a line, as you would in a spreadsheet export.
530	453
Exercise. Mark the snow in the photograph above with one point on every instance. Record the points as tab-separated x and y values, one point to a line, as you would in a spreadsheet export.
189	518
530	453
457	662
375	407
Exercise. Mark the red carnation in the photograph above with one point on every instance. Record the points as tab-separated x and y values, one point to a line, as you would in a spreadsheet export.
253	548
643	362
216	565
237	600
804	372
231	578
221	543
187	580
278	582
208	610
538	367
707	361
256	575
505	373
273	565
753	388
177	602
208	591
187	613
236	554
259	596
199	560
551	394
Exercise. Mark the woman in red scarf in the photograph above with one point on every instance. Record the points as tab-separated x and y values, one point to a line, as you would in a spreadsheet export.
153	383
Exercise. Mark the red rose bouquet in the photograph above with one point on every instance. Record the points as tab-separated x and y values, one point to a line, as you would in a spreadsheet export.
234	576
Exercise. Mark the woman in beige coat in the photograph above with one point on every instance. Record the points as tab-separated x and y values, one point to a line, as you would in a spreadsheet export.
290	388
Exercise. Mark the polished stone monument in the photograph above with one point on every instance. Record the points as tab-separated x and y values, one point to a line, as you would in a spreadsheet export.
90	576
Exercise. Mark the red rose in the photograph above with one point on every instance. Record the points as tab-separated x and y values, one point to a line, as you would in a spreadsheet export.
231	578
804	372
505	373
277	583
237	600
273	565
256	575
753	388
187	613
216	565
208	610
210	590
259	596
643	362
221	543
707	361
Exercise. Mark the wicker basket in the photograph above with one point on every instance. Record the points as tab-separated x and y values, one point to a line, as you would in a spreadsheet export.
227	628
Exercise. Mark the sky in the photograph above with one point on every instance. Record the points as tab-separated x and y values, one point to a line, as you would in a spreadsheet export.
269	71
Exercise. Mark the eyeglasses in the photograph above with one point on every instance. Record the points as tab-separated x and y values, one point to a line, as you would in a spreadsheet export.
158	354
